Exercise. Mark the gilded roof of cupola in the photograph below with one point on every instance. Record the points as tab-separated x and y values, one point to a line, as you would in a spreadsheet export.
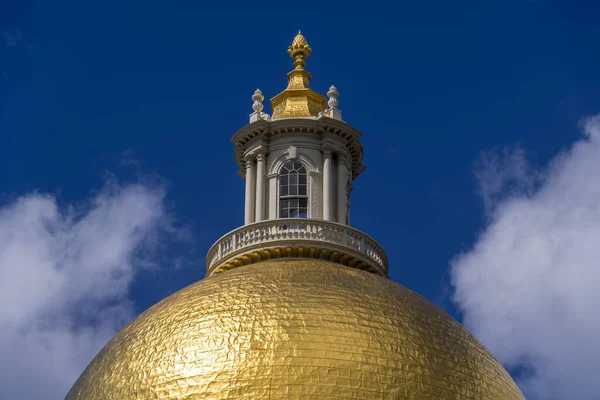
298	100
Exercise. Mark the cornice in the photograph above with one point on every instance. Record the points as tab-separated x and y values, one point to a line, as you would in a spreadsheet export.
321	128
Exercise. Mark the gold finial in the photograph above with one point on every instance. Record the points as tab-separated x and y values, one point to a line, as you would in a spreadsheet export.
298	100
299	51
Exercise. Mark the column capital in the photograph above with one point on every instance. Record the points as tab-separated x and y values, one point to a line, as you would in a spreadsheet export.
342	159
260	156
250	162
327	153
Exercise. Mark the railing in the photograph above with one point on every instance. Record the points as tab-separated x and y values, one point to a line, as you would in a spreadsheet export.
301	231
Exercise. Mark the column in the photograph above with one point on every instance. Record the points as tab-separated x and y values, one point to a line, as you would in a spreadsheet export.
327	183
250	189
260	187
342	180
314	195
272	206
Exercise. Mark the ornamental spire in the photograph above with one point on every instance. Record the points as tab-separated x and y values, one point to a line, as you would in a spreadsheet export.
299	51
298	100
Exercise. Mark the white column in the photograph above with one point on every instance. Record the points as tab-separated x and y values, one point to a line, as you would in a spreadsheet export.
327	186
272	196
314	193
250	189
342	180
260	187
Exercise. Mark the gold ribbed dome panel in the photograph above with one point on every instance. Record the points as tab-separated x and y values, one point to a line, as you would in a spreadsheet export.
294	329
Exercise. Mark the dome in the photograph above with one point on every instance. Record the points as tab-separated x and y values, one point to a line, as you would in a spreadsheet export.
294	329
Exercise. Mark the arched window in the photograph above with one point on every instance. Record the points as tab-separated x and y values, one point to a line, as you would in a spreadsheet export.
293	199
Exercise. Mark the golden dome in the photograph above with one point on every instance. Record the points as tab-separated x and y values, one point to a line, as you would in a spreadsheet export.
294	329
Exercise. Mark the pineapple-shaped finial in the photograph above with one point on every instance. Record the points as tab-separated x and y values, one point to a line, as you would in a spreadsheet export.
299	51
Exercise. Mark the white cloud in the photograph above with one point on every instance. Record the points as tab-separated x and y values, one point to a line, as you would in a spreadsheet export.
530	286
64	278
502	173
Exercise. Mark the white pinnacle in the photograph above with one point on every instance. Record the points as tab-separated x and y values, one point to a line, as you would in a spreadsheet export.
333	95
258	98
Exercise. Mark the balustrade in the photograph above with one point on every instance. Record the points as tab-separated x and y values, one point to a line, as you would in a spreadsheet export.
304	230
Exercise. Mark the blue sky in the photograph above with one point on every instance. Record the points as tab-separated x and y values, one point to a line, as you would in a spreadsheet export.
149	93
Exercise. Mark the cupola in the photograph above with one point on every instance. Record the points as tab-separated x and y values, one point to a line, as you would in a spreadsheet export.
299	165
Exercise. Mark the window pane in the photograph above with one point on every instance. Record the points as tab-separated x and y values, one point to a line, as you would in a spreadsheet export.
302	179
283	191
293	213
302	190
303	203
293	179
293	191
302	214
284	204
297	165
283	214
293	203
302	170
283	180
